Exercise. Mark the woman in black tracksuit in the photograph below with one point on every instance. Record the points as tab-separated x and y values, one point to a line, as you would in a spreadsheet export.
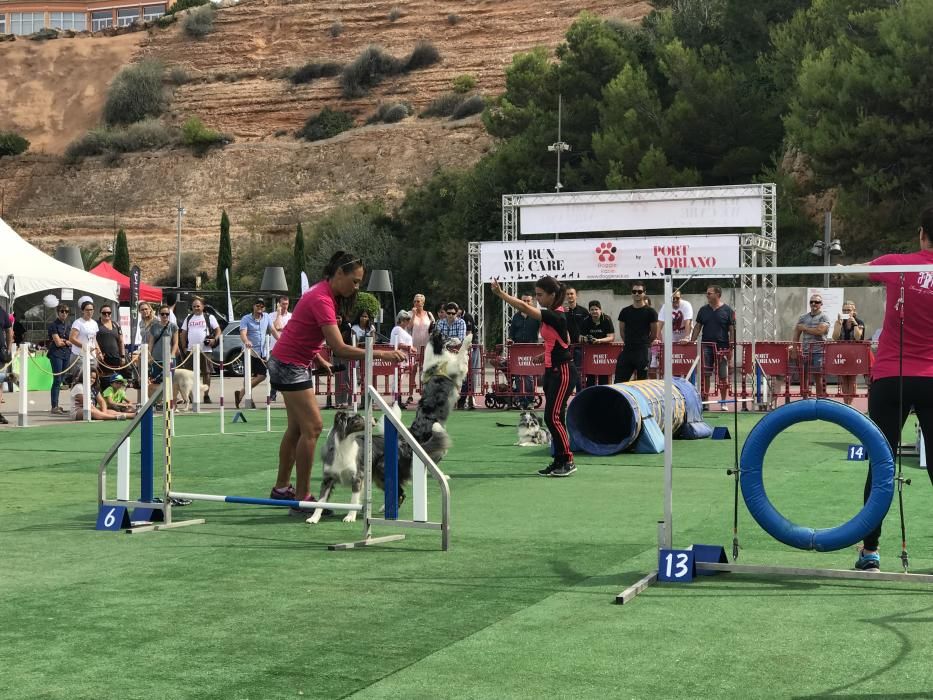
559	372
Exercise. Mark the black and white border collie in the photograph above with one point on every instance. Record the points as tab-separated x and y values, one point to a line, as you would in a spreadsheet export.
342	454
530	431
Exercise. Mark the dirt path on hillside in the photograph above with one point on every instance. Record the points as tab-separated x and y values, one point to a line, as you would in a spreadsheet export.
54	91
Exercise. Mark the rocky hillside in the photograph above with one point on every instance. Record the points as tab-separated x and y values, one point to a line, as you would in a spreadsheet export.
268	180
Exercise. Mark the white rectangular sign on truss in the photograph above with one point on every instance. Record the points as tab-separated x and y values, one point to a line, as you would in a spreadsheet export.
554	218
605	258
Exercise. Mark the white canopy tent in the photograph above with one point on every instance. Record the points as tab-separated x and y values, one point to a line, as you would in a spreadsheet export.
35	272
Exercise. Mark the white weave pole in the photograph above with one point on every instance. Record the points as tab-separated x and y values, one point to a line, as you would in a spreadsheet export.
86	380
223	360
265	351
196	391
144	374
123	470
168	391
354	379
247	378
23	412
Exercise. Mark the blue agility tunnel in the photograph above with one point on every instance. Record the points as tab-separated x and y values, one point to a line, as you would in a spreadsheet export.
604	420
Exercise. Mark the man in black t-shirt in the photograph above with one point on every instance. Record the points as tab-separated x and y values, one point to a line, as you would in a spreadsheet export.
576	316
638	325
597	329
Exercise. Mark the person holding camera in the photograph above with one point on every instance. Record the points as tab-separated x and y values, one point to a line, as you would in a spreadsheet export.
200	330
597	329
848	326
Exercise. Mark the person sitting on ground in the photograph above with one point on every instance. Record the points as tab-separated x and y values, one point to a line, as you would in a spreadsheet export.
115	396
99	410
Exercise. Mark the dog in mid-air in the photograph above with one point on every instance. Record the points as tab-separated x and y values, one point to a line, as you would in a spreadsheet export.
530	431
183	387
342	454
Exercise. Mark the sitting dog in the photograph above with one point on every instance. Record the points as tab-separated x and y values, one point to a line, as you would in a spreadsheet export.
530	431
342	454
183	387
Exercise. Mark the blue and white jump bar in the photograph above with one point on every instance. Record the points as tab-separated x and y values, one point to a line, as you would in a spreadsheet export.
274	502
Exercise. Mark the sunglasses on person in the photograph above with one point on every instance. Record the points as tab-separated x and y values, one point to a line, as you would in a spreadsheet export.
106	313
64	311
162	314
638	291
815	302
451	313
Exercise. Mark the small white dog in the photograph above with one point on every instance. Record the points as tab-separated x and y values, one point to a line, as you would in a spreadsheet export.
183	387
530	431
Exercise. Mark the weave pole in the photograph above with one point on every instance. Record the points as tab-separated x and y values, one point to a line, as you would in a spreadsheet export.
223	361
23	412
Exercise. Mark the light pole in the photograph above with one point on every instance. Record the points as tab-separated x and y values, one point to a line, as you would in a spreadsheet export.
559	146
181	212
828	247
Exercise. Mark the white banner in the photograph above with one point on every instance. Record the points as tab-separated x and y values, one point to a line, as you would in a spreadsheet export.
708	212
605	258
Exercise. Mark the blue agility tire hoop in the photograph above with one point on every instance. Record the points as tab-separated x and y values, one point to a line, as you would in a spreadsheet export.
779	527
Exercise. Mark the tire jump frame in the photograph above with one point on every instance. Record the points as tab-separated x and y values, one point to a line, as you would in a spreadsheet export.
757	442
158	513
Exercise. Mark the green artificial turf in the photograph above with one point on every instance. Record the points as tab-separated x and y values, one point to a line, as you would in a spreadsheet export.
253	605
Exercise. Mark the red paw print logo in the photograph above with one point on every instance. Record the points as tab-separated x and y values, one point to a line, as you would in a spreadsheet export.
606	252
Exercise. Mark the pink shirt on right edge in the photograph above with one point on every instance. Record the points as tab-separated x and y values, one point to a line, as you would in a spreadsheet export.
918	318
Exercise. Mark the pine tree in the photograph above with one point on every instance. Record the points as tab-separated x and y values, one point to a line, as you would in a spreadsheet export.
121	254
225	253
298	261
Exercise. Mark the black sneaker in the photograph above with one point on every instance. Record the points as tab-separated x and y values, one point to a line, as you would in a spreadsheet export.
548	469
565	469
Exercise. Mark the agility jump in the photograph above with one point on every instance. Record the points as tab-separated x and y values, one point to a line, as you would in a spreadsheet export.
159	513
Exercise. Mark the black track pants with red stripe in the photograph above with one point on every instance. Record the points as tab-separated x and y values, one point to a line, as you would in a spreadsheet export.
557	384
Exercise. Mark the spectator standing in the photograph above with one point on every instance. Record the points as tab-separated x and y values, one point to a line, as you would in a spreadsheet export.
280	317
110	342
362	325
201	330
524	329
638	326
401	339
84	334
144	320
254	327
421	322
810	332
158	331
681	312
597	329
6	338
476	361
848	327
576	315
59	353
715	323
451	327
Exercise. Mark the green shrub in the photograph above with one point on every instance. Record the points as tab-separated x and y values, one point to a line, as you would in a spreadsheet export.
45	33
12	144
389	113
464	83
424	54
366	70
395	13
474	104
178	76
136	93
167	20
325	124
336	29
184	5
199	137
145	135
453	19
199	22
443	106
313	71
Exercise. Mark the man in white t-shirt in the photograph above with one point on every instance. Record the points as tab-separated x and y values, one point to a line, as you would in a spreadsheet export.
280	318
84	334
200	330
682	322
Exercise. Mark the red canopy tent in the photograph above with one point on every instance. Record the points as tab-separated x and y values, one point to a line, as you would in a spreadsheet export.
146	292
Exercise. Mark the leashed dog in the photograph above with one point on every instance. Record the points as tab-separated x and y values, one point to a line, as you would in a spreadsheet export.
183	386
342	453
530	431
